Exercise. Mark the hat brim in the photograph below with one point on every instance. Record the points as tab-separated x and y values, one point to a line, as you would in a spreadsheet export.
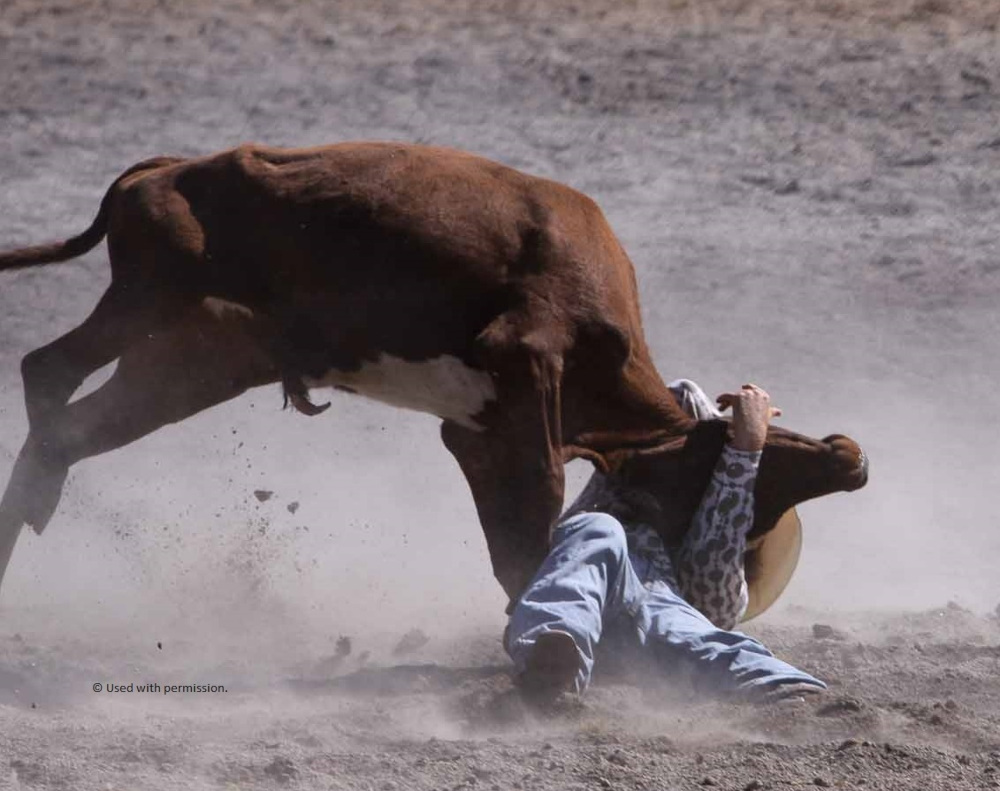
770	562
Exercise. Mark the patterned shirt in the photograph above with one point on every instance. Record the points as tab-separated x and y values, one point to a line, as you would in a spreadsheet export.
707	568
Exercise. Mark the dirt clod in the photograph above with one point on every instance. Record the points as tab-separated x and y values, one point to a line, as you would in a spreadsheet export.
822	631
281	769
810	193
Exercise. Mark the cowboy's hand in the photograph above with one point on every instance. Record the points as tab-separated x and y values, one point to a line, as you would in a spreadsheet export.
752	413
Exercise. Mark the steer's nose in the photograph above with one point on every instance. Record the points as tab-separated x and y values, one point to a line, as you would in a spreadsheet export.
851	460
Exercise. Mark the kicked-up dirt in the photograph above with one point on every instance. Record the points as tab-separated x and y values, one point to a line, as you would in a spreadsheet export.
811	194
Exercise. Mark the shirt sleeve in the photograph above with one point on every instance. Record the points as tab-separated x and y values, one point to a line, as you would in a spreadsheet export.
710	559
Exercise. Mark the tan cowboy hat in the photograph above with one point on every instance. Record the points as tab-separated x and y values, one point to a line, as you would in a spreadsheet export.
771	561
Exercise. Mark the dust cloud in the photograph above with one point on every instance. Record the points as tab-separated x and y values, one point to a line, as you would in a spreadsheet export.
810	196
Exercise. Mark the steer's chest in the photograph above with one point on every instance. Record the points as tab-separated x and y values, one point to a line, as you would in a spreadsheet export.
443	386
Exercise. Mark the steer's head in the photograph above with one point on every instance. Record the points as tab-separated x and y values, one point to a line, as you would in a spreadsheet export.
793	468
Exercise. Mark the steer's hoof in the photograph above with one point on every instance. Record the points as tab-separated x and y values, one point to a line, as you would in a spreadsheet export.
44	500
34	492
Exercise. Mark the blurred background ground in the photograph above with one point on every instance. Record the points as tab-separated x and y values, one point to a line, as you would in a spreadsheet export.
809	191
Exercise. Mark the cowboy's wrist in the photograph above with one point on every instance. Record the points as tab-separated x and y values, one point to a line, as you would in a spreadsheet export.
748	441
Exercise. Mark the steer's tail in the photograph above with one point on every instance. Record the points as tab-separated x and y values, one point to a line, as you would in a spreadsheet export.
89	239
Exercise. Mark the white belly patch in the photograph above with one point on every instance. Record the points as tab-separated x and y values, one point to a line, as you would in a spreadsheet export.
442	386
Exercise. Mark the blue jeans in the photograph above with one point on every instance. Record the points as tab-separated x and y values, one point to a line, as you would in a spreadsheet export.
589	581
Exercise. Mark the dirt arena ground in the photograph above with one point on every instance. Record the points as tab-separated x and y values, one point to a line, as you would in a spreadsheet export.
810	192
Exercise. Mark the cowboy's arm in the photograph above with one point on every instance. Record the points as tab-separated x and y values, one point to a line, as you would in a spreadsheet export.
710	560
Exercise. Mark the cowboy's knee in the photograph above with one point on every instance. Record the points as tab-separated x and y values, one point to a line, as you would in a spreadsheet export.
597	530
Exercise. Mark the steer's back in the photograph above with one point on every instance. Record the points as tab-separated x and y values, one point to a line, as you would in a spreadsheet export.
351	234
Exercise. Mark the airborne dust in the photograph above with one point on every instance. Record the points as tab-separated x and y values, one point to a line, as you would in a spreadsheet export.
809	193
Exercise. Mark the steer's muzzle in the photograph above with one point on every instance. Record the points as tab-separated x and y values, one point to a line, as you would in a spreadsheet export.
851	462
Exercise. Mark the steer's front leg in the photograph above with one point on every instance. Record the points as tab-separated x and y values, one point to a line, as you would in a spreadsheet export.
514	465
518	497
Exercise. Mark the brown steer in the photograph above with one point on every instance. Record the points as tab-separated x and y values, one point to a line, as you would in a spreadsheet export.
424	277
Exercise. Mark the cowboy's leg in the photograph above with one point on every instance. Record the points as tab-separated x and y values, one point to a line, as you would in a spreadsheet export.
715	660
585	579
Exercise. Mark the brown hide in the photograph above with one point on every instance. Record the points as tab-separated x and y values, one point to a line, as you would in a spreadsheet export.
793	468
326	259
259	265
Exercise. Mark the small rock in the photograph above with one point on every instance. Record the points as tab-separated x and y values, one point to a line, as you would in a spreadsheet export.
281	769
859	56
618	757
343	646
753	785
293	506
707	781
756	180
975	79
916	161
839	706
789	187
819	781
263	495
822	631
847	744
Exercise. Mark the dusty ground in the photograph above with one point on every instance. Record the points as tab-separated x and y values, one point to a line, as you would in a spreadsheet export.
810	193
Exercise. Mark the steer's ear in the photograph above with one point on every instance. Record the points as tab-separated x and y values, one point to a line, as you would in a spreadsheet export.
570	452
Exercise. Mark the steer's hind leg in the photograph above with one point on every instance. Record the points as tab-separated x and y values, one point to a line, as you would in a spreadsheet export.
191	366
515	466
52	373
